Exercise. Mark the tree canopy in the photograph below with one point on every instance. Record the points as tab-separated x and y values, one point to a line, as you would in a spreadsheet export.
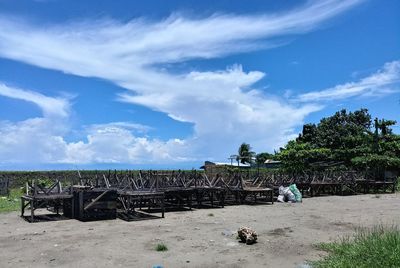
245	155
347	138
261	157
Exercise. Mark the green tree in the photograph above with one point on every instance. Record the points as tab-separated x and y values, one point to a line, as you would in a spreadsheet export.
297	156
261	157
245	155
346	138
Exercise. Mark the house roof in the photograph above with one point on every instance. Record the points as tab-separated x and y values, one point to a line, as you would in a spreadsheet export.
233	164
271	161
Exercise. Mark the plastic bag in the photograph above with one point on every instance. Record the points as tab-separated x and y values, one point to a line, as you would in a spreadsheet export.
296	192
282	190
290	196
281	198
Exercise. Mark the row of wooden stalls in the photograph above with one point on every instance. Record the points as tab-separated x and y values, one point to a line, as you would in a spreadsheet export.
146	194
137	195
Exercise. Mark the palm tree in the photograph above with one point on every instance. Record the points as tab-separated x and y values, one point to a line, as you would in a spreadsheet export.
245	154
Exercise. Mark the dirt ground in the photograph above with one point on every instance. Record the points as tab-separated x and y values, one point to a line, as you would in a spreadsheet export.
198	238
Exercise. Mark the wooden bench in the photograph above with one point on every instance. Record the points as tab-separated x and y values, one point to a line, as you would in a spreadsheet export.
255	193
39	196
132	200
209	196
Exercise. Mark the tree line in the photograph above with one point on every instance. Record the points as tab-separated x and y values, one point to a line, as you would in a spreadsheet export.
347	139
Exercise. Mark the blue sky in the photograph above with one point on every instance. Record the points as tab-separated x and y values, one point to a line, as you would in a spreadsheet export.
169	84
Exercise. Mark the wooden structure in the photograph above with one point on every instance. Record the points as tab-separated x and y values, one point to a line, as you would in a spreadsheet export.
4	186
134	194
53	198
94	203
241	188
130	201
127	194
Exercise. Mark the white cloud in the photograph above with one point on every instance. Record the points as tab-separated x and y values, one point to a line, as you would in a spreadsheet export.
124	125
119	145
50	106
225	115
382	82
223	105
42	139
36	139
97	44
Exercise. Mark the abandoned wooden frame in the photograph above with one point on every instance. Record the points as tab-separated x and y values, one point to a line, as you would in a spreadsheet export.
4	186
101	196
39	196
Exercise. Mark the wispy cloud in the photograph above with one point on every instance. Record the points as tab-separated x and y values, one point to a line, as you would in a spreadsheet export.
142	42
385	81
222	105
51	106
125	125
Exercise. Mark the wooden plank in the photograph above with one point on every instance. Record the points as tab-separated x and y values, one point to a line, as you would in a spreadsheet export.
95	200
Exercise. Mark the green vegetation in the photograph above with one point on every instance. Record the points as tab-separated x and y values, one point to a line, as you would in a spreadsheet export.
210	214
245	155
261	157
161	247
377	247
349	138
11	202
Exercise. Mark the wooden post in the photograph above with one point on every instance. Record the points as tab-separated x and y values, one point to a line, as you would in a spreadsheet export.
72	206
22	206
32	211
162	207
80	196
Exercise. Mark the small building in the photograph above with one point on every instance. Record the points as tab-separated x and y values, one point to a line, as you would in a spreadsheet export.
270	163
216	167
208	164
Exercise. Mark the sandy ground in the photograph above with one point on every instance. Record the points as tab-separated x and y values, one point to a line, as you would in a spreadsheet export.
287	233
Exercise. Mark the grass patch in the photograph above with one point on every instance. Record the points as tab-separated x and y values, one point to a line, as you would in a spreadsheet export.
210	214
376	247
11	202
161	247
